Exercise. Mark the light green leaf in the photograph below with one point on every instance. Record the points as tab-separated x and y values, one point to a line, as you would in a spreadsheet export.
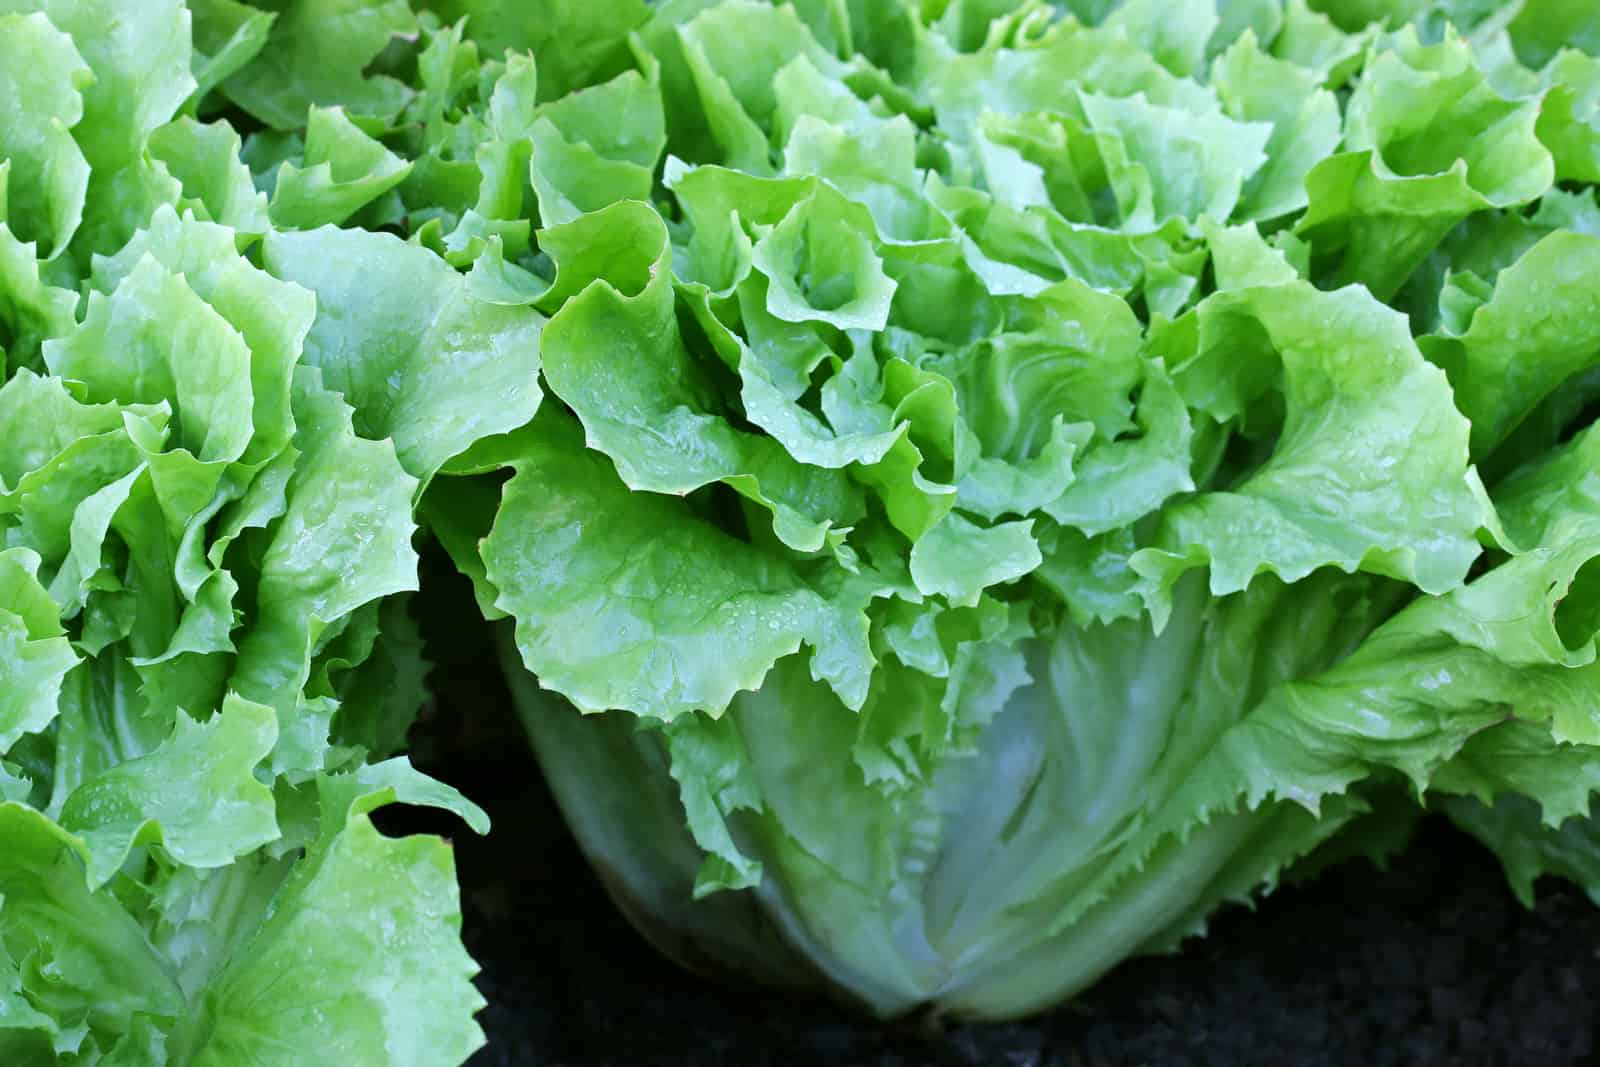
693	618
342	171
958	559
36	654
1428	142
344	540
714	781
1123	480
227	35
1255	87
196	795
616	357
49	176
577	42
102	967
272	317
316	53
1370	469
153	340
1167	162
389	981
419	359
31	310
1540	326
204	158
596	147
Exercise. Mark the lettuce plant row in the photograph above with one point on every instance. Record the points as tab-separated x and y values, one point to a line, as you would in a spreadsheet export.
962	489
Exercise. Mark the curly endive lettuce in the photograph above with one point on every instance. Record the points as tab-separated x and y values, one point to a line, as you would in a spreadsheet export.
1002	478
1021	480
198	547
203	571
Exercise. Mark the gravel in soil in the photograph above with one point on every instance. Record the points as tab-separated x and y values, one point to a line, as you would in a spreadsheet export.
1429	962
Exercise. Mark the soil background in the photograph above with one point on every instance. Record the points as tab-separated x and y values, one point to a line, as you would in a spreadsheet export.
1431	961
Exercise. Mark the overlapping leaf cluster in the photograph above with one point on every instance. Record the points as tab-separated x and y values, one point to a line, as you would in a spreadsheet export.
205	660
1012	476
1041	473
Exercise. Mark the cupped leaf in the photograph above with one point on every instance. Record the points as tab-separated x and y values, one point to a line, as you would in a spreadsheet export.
629	600
421	360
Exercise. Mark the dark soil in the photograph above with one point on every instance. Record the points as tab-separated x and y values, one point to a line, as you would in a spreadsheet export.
1430	962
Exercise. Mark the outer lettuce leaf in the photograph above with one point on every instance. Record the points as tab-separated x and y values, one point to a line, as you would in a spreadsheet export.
342	171
37	653
48	174
316	52
397	333
609	638
1528	848
394	984
1538	328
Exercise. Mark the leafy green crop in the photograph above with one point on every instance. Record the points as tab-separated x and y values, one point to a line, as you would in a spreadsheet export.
203	565
1034	476
1002	479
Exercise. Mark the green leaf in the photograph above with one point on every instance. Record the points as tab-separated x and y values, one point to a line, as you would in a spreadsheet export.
821	266
102	968
37	655
1428	142
1165	163
343	170
693	618
958	559
344	540
1369	471
1540	327
1569	117
273	318
1530	849
1255	87
1175	35
196	795
1125	479
49	176
204	158
577	42
714	781
227	35
616	357
31	310
155	340
316	53
1541	27
140	58
421	361
596	147
388	981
